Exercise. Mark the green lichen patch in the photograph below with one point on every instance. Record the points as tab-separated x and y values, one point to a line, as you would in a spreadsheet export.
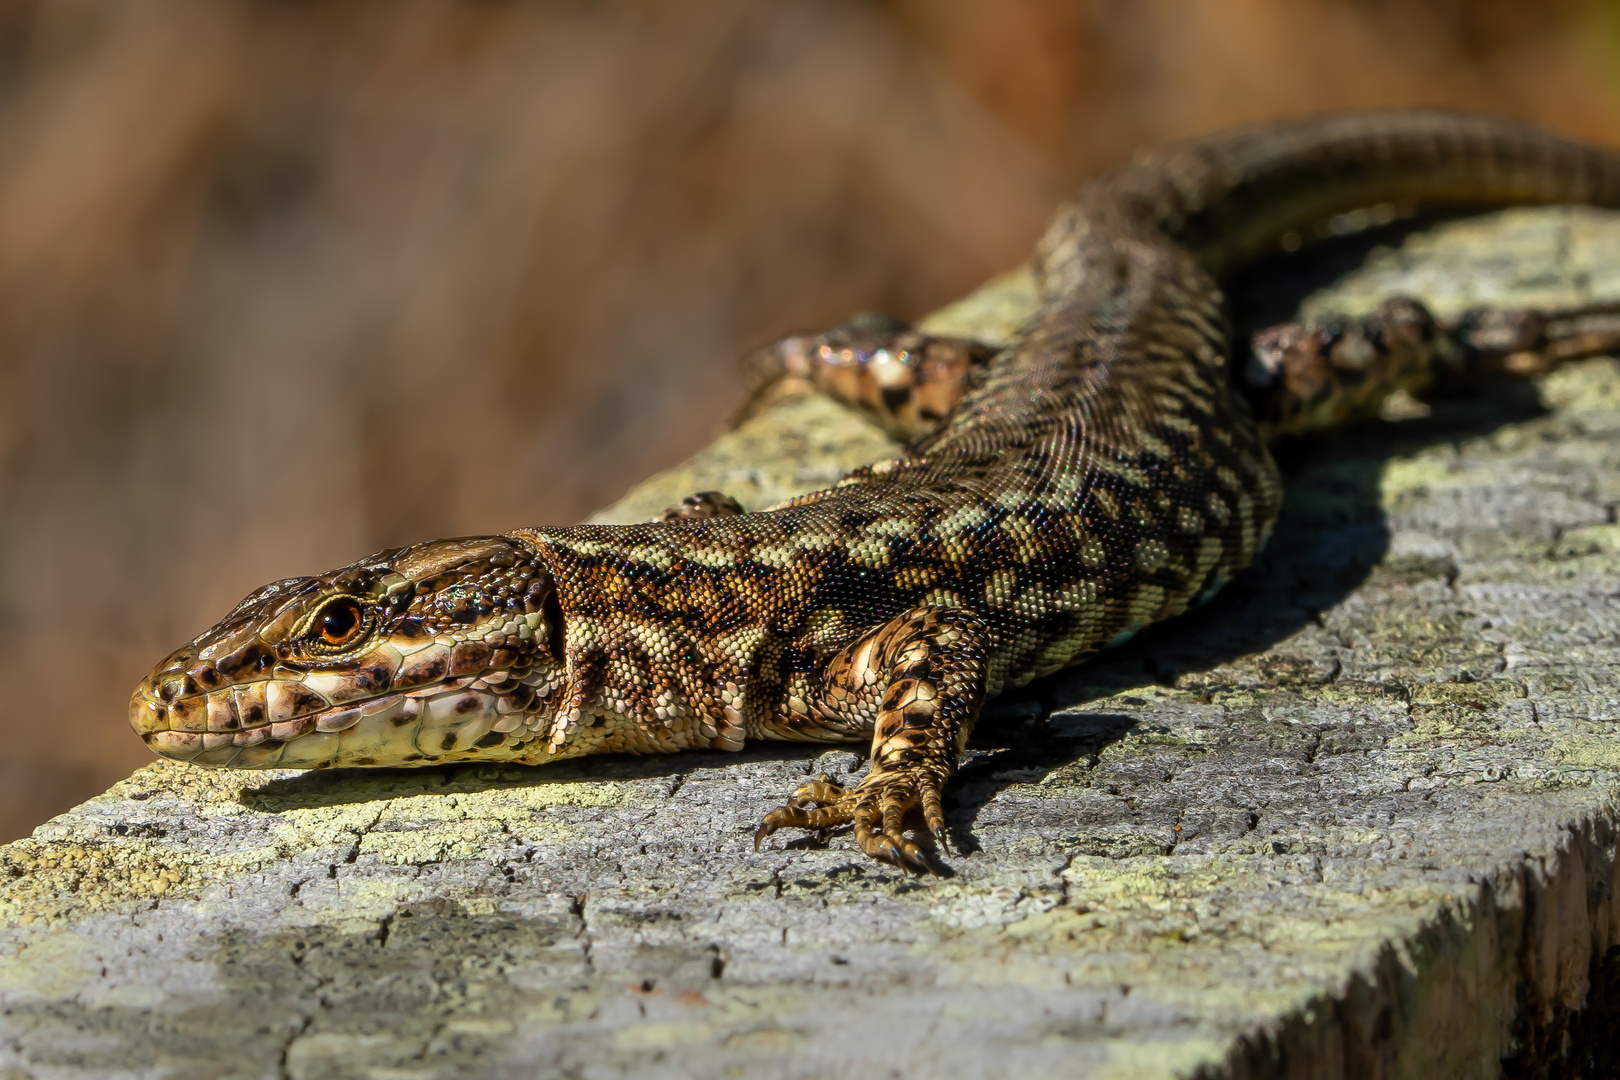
1583	387
992	313
472	825
191	784
117	853
460	823
1597	751
52	879
1588	540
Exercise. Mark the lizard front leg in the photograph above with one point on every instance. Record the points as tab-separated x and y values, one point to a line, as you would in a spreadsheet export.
908	380
917	682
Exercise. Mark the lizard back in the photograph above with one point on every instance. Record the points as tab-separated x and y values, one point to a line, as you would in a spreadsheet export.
1102	476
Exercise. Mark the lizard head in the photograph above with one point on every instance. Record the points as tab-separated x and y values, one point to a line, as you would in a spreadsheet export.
438	652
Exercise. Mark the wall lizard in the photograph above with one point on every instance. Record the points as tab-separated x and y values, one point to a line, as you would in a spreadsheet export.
1105	470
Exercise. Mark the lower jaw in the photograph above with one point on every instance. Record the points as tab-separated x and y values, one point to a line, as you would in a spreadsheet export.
448	727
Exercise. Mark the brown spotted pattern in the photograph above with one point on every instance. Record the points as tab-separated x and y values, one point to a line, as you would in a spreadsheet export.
1093	477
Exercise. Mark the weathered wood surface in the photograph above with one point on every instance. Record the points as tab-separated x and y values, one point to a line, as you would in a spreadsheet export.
1353	818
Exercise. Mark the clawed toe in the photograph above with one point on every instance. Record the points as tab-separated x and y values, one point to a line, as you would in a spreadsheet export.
817	819
898	851
818	806
877	808
821	791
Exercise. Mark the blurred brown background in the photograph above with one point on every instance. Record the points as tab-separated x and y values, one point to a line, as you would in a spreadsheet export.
282	283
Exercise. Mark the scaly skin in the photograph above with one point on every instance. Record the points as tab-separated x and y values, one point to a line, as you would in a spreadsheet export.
1097	475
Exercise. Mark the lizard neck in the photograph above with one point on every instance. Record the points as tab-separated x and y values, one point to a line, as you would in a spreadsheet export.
665	635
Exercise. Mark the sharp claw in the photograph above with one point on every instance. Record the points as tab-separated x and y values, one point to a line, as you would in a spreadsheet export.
942	840
883	847
907	856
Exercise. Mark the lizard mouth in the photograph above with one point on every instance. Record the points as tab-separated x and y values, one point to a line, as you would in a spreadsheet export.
248	726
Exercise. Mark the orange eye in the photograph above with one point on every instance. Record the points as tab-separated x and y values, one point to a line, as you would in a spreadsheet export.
339	623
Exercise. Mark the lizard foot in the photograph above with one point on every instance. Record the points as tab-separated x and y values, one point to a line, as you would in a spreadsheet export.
922	673
701	506
876	807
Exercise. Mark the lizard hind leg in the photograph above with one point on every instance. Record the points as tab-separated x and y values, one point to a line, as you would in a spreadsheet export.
1339	368
916	683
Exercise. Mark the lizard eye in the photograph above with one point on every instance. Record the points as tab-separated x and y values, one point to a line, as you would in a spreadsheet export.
339	623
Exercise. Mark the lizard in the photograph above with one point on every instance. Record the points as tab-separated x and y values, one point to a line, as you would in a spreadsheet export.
1105	470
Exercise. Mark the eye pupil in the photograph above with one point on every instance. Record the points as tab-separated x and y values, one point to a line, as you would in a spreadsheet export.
339	622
